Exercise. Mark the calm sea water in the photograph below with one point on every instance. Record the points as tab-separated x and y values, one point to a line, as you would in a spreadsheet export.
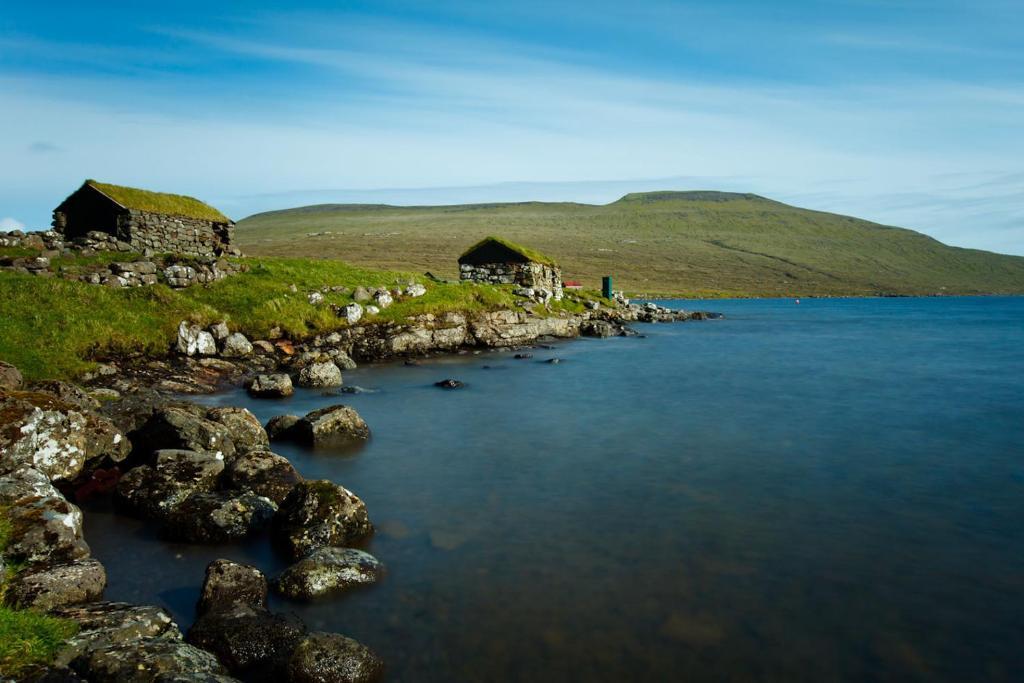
825	491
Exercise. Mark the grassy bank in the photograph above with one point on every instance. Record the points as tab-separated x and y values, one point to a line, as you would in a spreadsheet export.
55	328
688	244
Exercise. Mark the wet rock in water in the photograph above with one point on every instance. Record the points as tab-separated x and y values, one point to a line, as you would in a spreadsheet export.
344	361
318	514
412	363
218	517
228	584
330	425
553	361
264	473
280	426
10	377
598	328
184	428
328	570
449	384
194	340
46	586
148	660
154	491
252	643
245	429
236	346
523	356
278	385
333	658
320	374
353	389
107	624
42	432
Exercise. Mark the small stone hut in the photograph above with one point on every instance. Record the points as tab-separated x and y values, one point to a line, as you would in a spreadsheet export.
160	222
495	260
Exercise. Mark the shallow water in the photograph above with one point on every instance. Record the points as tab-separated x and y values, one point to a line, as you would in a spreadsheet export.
825	491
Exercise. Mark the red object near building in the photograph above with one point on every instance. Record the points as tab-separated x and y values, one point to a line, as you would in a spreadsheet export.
572	284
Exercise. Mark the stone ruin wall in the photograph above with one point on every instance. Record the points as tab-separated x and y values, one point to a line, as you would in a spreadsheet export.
174	234
532	275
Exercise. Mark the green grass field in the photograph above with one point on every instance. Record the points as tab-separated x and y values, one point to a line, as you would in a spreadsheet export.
697	244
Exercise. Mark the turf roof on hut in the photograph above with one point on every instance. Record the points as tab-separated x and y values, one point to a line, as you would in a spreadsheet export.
159	202
525	252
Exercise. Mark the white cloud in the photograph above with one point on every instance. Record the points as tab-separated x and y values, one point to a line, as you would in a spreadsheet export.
7	224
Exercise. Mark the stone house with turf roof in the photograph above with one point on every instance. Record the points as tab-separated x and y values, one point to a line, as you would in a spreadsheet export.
154	221
495	260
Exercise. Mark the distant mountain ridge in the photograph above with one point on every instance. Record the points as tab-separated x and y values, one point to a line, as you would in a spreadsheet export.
681	243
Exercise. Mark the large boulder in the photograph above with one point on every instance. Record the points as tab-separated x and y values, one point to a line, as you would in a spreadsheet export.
107	624
252	643
149	660
46	586
320	374
337	424
218	517
43	526
320	513
333	658
194	340
246	431
184	428
278	385
228	584
328	570
153	491
264	473
39	430
10	377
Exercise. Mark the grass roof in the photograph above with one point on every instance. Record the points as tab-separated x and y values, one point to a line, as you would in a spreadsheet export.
525	252
159	202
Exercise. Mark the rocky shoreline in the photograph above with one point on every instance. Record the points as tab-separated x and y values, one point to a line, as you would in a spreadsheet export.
208	475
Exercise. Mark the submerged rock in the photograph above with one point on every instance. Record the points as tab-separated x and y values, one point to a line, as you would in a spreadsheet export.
333	658
277	385
328	570
320	513
264	473
228	584
320	374
333	424
250	642
218	517
449	384
46	586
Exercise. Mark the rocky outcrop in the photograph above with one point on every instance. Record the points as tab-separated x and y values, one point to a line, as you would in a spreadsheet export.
44	587
319	514
328	570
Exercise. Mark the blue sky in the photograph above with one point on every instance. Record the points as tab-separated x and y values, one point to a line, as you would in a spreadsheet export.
908	113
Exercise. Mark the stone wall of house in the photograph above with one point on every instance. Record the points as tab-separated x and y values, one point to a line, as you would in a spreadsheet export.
175	235
536	276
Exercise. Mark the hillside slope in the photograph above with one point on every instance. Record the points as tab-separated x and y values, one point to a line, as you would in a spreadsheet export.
671	243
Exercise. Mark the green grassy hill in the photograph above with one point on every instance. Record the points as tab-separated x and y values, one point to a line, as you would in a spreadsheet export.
669	243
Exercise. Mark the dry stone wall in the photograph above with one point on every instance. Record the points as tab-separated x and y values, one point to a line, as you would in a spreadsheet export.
175	234
536	276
